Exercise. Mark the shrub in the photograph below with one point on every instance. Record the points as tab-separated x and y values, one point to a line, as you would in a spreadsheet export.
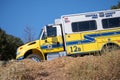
8	45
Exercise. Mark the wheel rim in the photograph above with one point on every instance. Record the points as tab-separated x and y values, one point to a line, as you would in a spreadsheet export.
35	59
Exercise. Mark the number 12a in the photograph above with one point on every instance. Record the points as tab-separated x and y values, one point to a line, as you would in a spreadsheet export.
75	49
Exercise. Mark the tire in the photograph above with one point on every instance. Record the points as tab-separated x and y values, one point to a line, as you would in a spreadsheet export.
34	57
109	48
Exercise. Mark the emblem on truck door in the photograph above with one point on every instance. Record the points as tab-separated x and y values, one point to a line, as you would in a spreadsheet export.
49	46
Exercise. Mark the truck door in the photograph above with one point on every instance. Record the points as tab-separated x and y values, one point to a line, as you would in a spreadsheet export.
53	42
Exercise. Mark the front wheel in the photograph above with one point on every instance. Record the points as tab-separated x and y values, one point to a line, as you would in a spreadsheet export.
34	57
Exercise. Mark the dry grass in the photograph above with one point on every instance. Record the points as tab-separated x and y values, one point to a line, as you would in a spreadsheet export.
105	67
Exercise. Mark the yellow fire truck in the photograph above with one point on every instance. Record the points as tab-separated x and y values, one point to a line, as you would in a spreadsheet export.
75	34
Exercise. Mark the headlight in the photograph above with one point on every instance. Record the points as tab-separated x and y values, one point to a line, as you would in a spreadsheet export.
17	52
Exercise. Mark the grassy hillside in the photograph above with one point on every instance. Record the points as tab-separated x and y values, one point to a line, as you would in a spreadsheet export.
105	67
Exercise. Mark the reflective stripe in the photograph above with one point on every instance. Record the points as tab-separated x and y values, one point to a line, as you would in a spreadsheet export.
89	38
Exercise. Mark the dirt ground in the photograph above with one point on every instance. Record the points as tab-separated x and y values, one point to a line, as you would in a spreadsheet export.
64	68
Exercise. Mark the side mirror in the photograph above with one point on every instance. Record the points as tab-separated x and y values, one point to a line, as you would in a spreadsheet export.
46	41
46	37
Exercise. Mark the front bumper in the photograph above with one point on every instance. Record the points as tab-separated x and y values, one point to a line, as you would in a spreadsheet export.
20	58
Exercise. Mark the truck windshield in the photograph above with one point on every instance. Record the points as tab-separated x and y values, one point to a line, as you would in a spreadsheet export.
42	35
51	31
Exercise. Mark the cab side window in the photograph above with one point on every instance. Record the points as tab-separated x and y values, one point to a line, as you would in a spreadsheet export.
51	31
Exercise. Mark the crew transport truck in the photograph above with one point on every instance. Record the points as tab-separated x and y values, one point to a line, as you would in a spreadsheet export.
75	34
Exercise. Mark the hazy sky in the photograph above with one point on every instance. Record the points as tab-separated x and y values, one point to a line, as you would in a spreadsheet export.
15	15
